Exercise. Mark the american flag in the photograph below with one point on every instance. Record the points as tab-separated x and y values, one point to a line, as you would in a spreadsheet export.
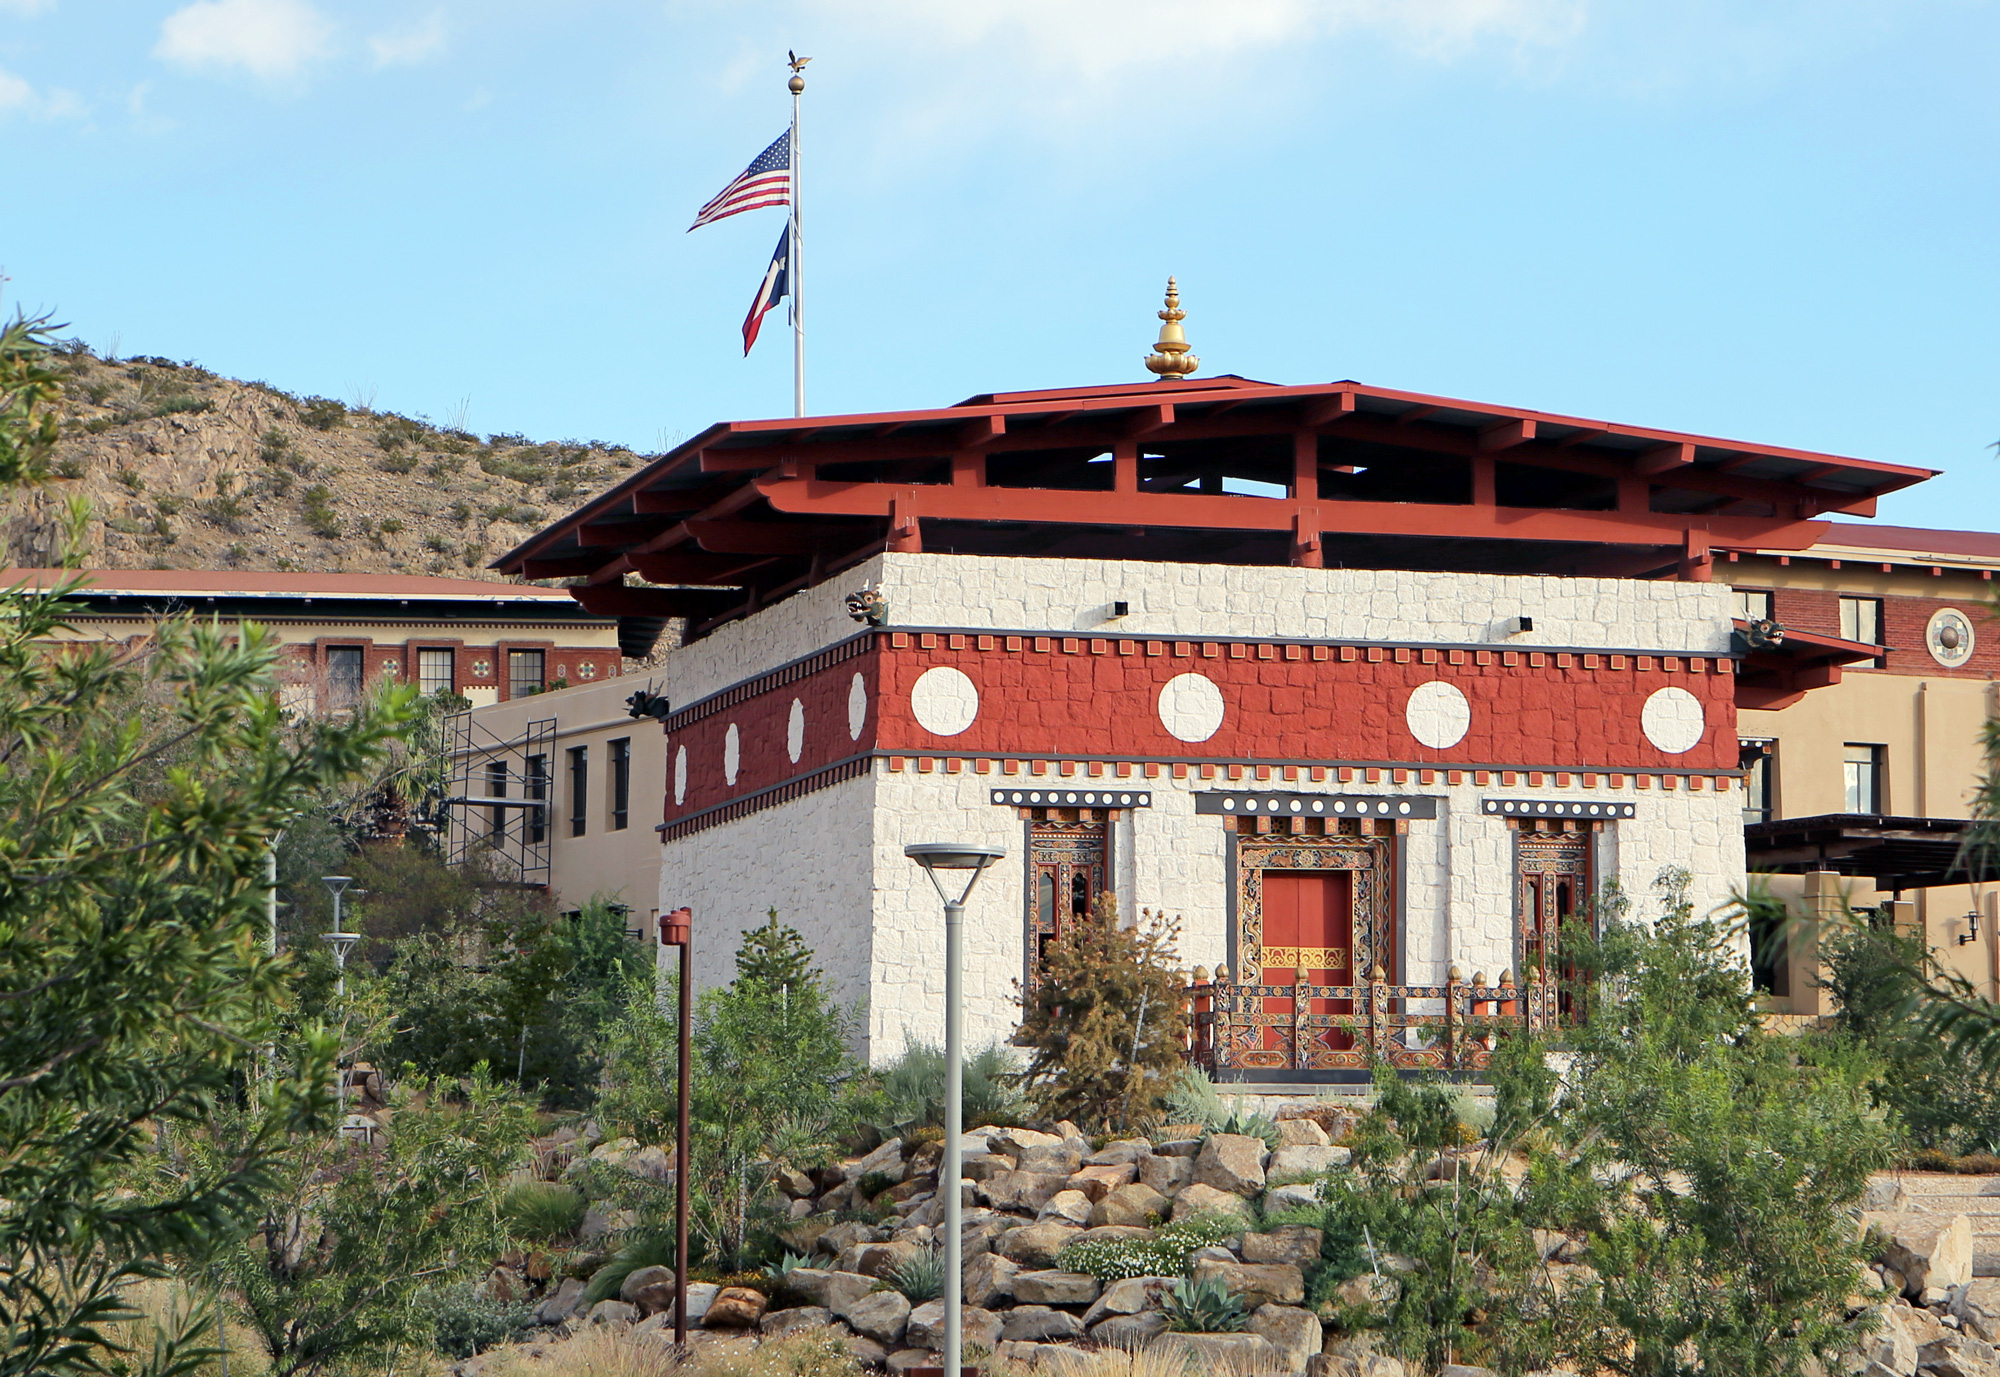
766	182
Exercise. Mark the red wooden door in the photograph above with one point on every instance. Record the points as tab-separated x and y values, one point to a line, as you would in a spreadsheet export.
1309	939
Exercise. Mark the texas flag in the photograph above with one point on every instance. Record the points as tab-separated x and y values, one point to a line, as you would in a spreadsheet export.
772	290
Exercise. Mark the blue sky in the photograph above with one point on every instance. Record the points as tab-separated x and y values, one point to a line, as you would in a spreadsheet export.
1773	220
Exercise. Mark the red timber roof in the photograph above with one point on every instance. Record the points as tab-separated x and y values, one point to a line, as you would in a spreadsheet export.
293	585
1224	470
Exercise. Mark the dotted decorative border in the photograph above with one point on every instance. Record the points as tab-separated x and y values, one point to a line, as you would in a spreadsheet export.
1316	805
1555	808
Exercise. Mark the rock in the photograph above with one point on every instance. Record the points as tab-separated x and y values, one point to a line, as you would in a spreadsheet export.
886	1160
1889	1343
1112	1233
1123	1152
1301	1133
976	1326
1067	1131
1130	1331
1049	1287
560	1304
1133	1206
615	1151
1297	1244
1177	1147
828	1289
780	1322
1035	1245
1027	1191
1039	1322
1298	1197
1071	1206
650	1163
651	1289
988	1278
977	1231
599	1223
794	1183
1954	1355
1930	1250
840	1237
865	1351
1978	1308
735	1307
878	1259
611	1312
880	1315
1019	1140
1360	1364
803	1236
1306	1160
1033	1355
1212	1252
1060	1159
985	1166
1267	1283
1884	1193
1129	1296
1167	1175
1237	1352
1099	1181
1465	1370
701	1295
1201	1198
1232	1162
905	1360
1369	1289
1295	1333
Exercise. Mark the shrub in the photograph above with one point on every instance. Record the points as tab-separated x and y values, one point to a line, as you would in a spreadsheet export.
321	519
911	1094
543	1211
1195	1100
322	413
654	1248
920	1278
180	404
398	462
1165	1254
464	1319
1203	1307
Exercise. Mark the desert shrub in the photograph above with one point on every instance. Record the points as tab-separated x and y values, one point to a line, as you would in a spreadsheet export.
465	1319
919	1278
181	404
543	1211
911	1090
397	462
321	519
652	1247
322	413
1165	1254
1203	1307
1195	1100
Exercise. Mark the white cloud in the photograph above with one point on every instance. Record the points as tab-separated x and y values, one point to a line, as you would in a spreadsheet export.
410	44
18	97
271	39
25	7
15	94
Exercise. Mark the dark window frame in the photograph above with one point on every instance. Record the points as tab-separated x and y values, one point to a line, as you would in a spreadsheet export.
341	690
621	783
579	790
1866	791
537	790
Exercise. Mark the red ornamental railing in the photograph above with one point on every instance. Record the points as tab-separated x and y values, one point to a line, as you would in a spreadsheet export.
1304	1027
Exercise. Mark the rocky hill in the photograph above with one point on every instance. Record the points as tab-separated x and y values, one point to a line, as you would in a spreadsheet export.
183	469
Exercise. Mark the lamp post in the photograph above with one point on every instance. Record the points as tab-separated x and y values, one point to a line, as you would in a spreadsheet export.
935	857
677	930
342	942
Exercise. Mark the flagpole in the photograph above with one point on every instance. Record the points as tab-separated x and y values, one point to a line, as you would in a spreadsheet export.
797	84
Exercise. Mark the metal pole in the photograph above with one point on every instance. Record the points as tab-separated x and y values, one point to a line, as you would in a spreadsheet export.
954	1129
797	84
271	895
681	1150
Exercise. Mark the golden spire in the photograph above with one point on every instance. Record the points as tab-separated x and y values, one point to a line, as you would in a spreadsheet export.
1170	357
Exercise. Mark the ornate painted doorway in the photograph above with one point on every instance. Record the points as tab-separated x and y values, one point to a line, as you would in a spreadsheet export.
1553	886
1069	864
1308	941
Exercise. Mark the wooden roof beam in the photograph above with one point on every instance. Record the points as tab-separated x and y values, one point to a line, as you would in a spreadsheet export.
1506	434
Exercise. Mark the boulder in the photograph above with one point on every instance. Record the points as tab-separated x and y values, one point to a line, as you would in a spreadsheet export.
906	1360
1884	1193
1954	1355
1026	1353
1930	1250
1978	1308
1295	1333
985	1166
561	1303
1133	1206
1297	1244
877	1259
614	1152
1465	1370
1177	1147
1098	1182
1258	1283
1057	1159
1301	1133
1298	1197
976	1326
886	1160
1129	1296
617	1314
829	1289
1124	1152
987	1278
1035	1245
1019	1140
1212	1252
650	1163
1889	1342
1040	1323
1227	1352
1112	1233
796	1184
1306	1160
1070	1206
777	1323
840	1237
1201	1198
1232	1162
1046	1286
651	1289
879	1315
1129	1331
1167	1175
599	1223
1369	1289
735	1307
865	1351
977	1230
1026	1191
701	1295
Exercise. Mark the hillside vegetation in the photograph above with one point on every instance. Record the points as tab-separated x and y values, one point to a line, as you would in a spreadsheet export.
184	469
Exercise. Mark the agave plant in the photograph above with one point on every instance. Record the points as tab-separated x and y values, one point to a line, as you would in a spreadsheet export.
919	1278
1206	1306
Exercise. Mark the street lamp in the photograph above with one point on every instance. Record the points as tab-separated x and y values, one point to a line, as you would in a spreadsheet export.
342	942
934	857
677	930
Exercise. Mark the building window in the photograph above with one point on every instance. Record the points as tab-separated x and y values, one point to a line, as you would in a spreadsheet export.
1753	604
579	789
621	783
524	672
1758	796
344	673
1861	620
434	672
496	788
538	790
1864	769
1068	866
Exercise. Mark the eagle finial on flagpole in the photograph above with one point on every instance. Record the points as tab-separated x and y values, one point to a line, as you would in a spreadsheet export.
798	64
1170	358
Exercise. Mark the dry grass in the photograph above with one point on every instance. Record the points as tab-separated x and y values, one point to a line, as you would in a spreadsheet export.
598	1352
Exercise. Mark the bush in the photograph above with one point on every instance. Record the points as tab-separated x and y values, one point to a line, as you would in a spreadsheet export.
1203	1307
1165	1254
321	519
911	1094
464	1319
1195	1100
654	1248
322	413
543	1211
920	1278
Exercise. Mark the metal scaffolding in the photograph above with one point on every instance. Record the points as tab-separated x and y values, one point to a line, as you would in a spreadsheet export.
500	797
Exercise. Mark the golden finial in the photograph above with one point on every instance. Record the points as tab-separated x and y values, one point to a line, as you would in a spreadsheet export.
1171	359
798	66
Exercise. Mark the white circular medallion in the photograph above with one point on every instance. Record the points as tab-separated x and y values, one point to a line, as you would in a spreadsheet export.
1438	714
1673	720
857	707
1191	707
1948	637
680	776
944	701
795	731
732	754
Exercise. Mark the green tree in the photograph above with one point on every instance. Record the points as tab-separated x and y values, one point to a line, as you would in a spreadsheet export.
1104	1024
29	388
138	796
